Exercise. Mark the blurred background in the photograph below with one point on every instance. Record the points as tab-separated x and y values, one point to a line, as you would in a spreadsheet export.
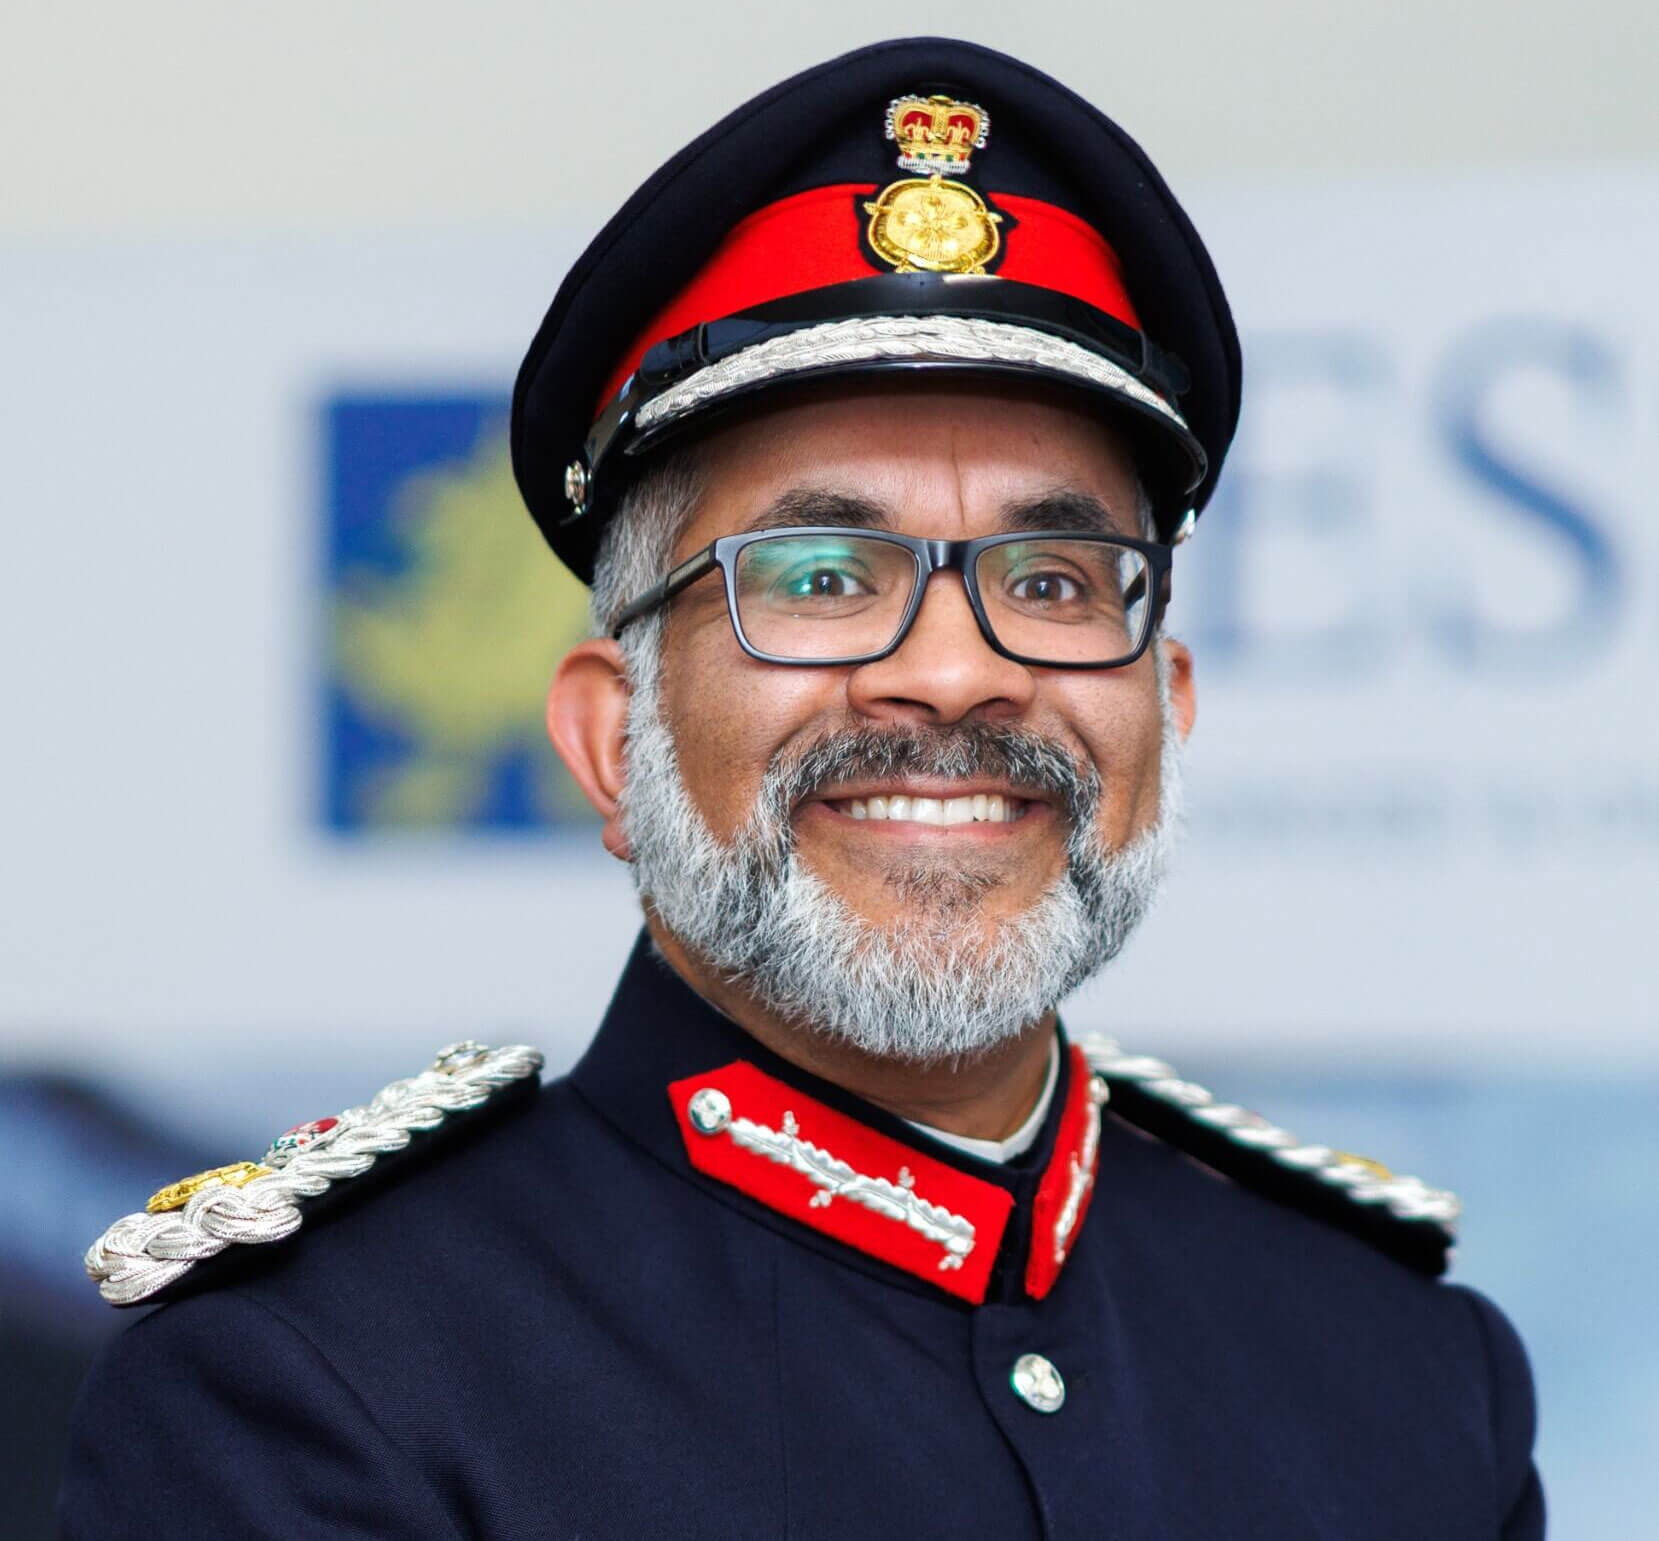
278	815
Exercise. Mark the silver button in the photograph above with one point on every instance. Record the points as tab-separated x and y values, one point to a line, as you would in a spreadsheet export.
1037	1383
709	1110
576	484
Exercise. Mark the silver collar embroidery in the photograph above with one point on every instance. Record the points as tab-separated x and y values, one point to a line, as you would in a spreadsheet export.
711	1114
1082	1170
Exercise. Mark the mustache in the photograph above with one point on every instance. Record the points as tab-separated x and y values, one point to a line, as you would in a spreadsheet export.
961	752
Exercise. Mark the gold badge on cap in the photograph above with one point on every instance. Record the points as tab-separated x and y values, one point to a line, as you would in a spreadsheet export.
936	133
930	225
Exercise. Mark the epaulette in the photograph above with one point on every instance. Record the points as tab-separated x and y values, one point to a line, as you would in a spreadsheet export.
147	1257
1401	1215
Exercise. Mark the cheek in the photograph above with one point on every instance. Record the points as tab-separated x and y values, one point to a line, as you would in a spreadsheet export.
730	715
1122	732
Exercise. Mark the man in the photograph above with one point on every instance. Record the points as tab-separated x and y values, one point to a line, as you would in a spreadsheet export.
872	418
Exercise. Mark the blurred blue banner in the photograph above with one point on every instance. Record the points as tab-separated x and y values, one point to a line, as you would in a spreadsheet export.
445	616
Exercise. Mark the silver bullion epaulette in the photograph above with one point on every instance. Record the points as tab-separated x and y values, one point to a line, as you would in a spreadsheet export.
1402	1215
250	1202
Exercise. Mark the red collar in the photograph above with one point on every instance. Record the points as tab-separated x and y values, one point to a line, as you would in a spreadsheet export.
843	1179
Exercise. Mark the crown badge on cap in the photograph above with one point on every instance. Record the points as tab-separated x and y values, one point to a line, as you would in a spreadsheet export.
936	133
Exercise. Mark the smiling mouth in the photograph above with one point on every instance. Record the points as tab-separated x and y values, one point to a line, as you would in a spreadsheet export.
943	811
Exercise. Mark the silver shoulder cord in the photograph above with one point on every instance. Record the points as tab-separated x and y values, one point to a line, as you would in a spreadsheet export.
1365	1182
141	1254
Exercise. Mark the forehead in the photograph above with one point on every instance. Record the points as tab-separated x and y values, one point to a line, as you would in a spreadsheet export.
946	461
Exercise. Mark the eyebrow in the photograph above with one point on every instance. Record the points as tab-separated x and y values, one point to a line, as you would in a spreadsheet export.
811	505
1078	513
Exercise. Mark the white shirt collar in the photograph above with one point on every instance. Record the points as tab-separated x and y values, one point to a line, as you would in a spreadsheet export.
1022	1139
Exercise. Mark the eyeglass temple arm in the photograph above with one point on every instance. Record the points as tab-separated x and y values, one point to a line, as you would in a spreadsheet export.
687	573
1132	594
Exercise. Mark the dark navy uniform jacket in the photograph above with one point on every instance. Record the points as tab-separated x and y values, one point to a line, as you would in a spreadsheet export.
560	1329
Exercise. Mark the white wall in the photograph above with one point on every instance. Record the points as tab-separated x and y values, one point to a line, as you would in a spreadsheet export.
322	114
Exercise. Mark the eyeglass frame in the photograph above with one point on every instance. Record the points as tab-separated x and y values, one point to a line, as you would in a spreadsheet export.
932	556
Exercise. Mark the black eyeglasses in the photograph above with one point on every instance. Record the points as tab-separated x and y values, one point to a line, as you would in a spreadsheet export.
832	595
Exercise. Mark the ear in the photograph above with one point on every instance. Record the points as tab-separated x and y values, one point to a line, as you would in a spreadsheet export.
1183	698
587	713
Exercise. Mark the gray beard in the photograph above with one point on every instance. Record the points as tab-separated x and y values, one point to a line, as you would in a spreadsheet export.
947	982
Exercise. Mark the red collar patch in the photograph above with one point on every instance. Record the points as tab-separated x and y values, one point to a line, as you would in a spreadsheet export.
891	1201
808	1161
1068	1181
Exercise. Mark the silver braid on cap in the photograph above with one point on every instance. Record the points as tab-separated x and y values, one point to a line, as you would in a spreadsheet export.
914	339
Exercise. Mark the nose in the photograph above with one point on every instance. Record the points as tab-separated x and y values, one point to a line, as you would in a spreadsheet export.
944	671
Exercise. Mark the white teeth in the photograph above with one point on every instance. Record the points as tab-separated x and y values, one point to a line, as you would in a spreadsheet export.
978	809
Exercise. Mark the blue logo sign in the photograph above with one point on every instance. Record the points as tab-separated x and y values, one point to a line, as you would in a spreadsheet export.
445	616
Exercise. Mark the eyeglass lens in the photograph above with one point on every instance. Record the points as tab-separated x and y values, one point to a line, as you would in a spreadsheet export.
1059	599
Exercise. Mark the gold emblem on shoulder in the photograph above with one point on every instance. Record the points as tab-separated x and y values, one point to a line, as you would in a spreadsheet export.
934	226
1375	1168
177	1195
936	133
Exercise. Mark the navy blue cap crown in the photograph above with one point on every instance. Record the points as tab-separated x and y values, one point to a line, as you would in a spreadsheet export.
917	204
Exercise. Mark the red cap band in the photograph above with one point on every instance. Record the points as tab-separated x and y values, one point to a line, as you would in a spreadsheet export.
813	239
